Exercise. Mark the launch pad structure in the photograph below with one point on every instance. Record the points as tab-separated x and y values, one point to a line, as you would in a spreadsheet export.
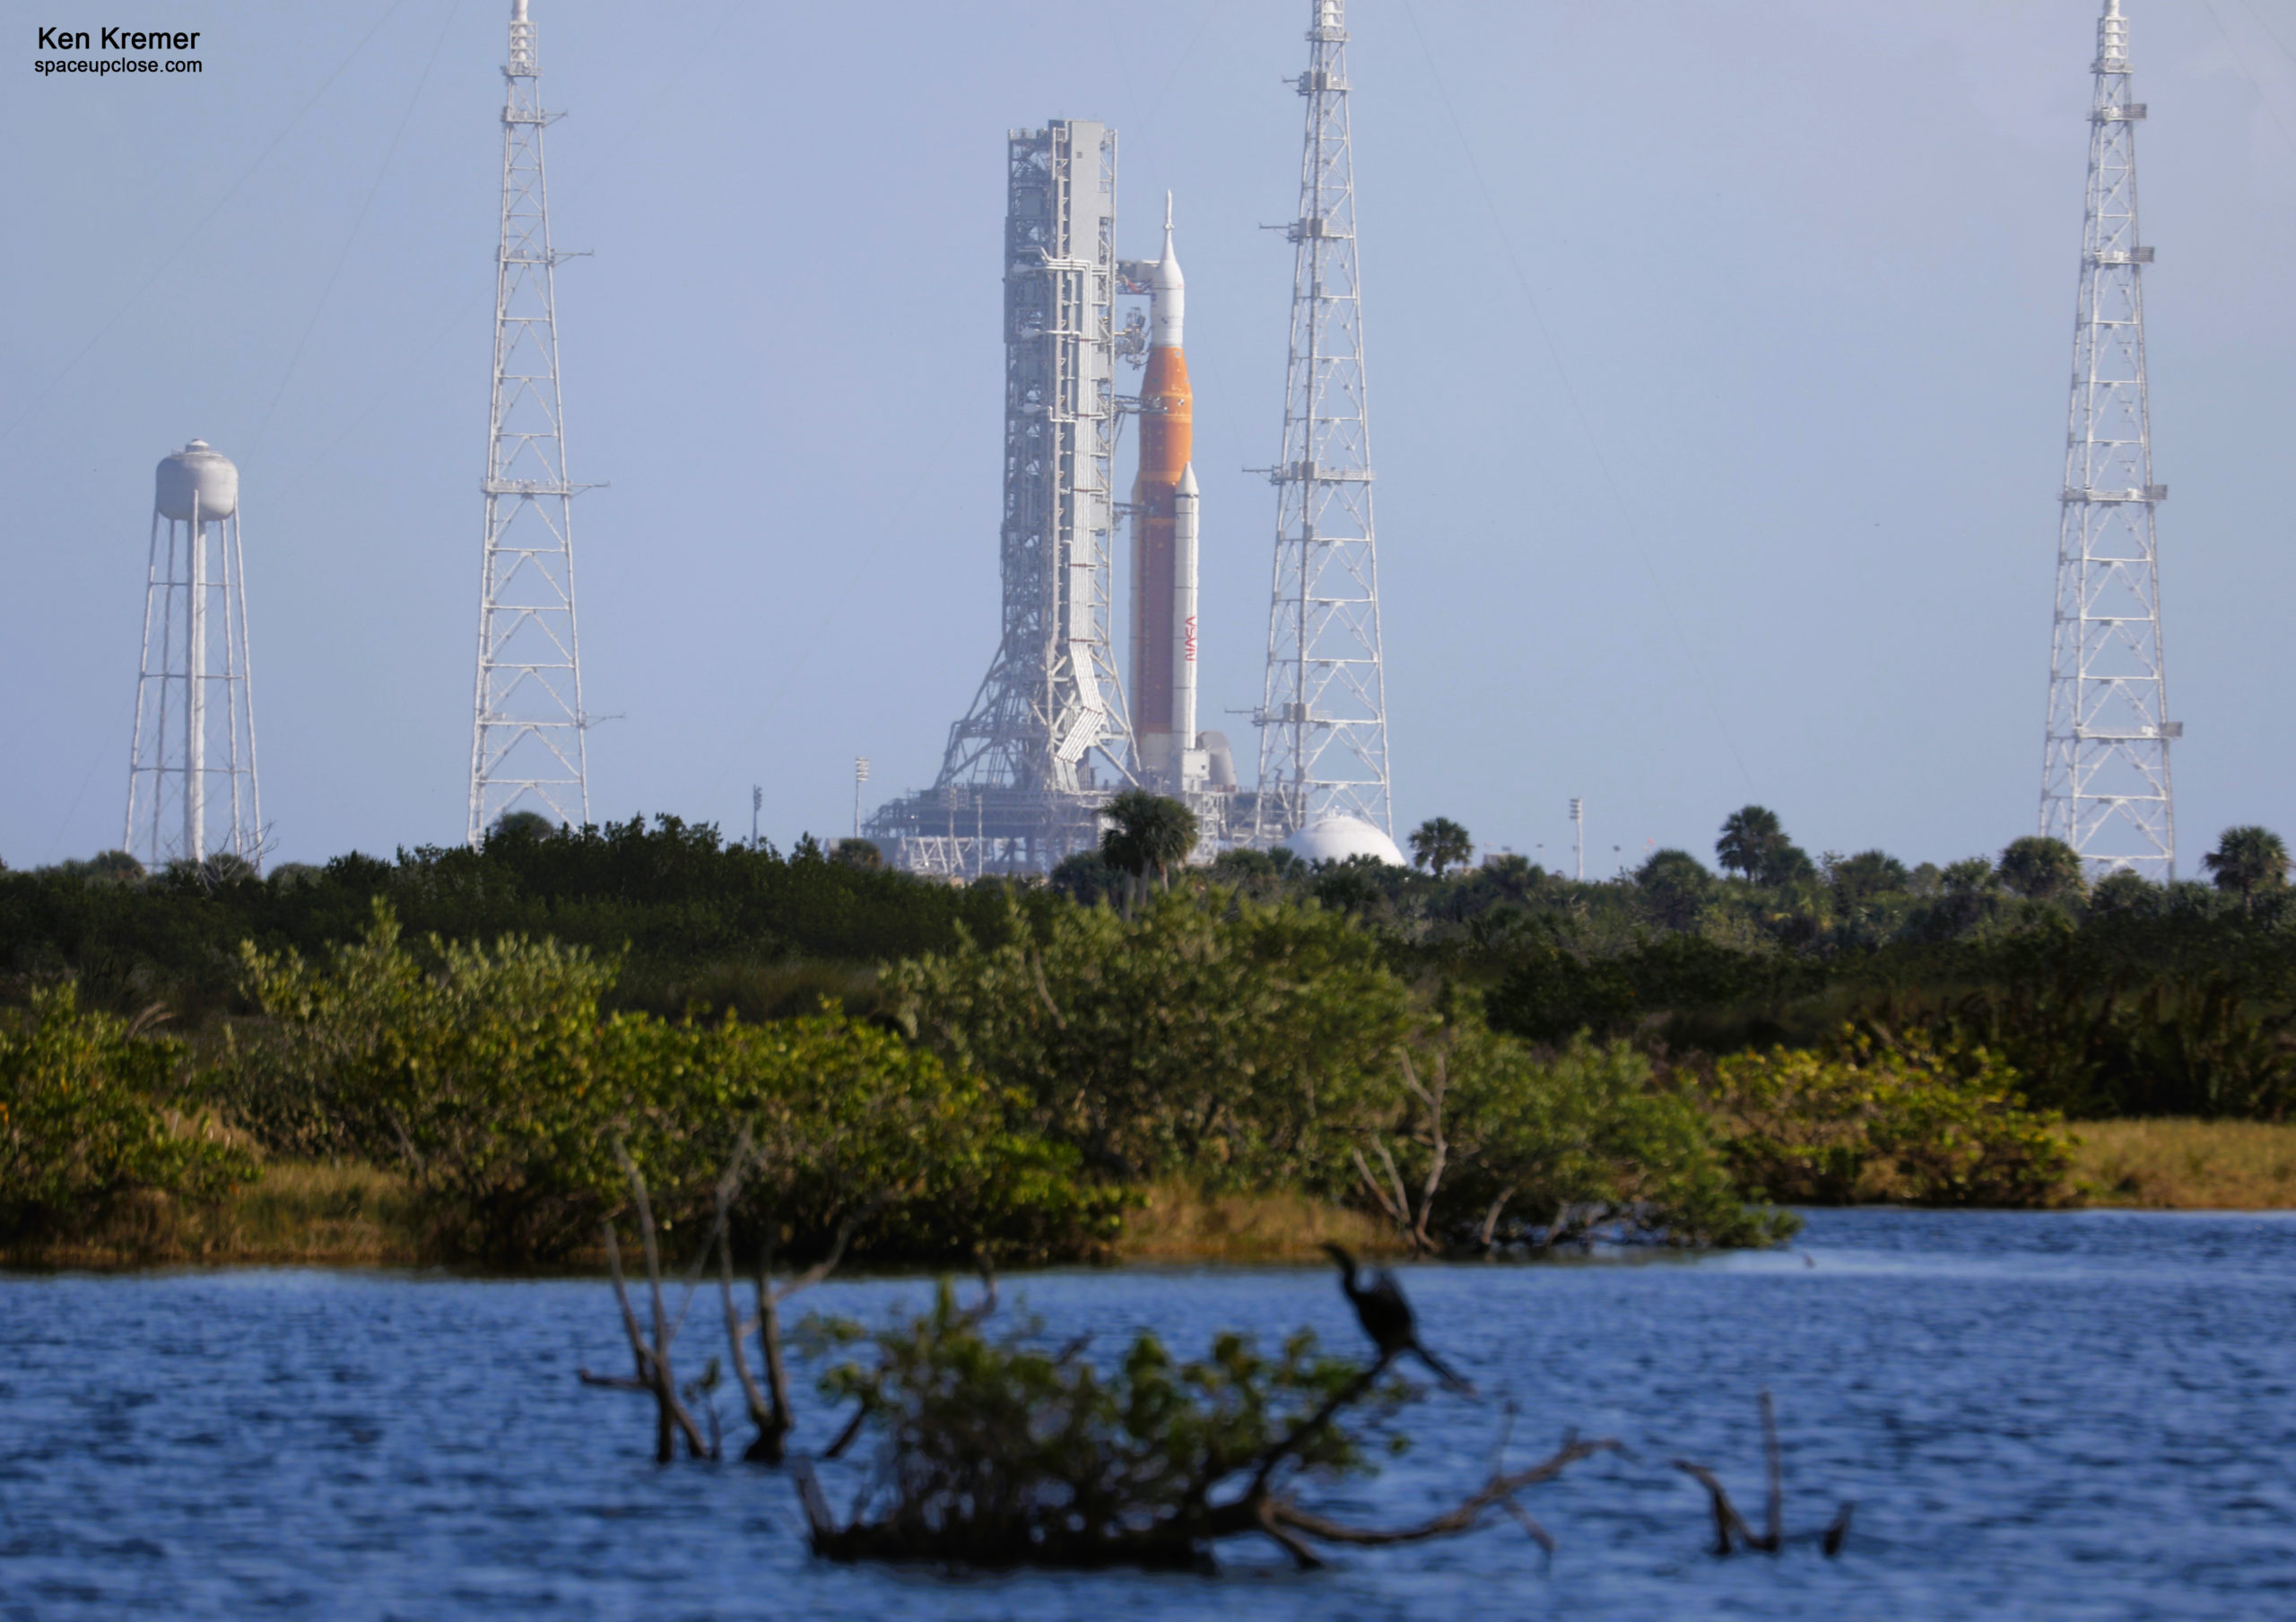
1048	736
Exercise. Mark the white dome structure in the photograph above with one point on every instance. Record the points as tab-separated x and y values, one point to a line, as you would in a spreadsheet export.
1338	838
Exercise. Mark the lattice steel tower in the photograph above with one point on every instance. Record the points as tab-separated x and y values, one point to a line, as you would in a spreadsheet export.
2105	777
191	781
1323	742
528	750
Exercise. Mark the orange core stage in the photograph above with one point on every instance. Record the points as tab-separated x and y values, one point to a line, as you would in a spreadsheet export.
1167	434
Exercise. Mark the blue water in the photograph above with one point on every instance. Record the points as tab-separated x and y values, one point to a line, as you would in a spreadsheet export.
2039	1416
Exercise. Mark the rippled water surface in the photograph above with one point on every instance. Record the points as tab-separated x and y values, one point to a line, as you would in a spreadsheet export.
2056	1415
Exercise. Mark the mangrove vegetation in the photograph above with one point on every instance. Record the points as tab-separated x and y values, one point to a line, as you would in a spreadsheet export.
1476	1058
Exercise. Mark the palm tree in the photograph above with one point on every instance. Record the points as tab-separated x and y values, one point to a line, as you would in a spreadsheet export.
1439	843
1749	837
1676	886
1152	834
1754	842
2041	869
2249	859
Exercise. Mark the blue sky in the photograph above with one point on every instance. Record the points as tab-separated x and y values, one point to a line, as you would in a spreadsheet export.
1717	354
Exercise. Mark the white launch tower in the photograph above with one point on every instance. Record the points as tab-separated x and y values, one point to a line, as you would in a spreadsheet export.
191	779
1048	736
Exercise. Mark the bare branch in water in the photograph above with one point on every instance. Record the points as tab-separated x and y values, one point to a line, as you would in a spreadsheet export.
770	1408
1462	1517
651	1353
1730	1528
1774	1470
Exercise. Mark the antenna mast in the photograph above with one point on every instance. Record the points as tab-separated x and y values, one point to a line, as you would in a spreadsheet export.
1323	742
527	750
2105	777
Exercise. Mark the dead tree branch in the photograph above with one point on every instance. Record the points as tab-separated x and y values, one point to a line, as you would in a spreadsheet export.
1301	1433
1730	1528
971	1479
1774	1476
1411	1216
1499	1490
650	1353
769	1409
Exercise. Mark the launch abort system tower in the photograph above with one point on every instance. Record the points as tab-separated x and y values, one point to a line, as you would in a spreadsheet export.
191	782
1323	741
527	750
1047	738
2105	777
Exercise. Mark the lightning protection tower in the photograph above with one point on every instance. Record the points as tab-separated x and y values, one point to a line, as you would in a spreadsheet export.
2105	777
1048	733
191	783
528	750
1323	742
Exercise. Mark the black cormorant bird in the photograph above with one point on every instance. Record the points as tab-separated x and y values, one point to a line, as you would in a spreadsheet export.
1386	1317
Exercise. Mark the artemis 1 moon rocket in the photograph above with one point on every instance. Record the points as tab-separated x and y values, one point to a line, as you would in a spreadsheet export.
1164	543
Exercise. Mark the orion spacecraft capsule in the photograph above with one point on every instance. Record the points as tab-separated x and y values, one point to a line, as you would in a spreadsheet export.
1163	560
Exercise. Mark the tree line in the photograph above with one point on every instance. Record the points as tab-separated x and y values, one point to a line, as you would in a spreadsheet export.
1492	1058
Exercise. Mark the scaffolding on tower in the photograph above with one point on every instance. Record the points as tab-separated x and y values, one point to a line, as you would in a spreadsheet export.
527	747
1323	742
1047	738
2105	787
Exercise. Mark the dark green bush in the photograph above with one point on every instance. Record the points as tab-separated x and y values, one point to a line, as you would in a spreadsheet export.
88	1114
1209	1036
1555	1147
1887	1118
495	1083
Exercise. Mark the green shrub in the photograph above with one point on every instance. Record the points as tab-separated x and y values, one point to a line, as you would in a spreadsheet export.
85	1118
495	1084
1209	1036
1549	1147
1887	1117
998	1451
491	1084
846	1117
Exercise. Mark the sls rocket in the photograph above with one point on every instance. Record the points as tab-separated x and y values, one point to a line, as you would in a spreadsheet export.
1164	542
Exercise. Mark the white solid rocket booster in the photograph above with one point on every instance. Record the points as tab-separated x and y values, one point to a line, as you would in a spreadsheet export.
1184	534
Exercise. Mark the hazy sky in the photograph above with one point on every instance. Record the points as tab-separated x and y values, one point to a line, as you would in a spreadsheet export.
1718	356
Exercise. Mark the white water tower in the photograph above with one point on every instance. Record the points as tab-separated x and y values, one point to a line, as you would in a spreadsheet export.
191	783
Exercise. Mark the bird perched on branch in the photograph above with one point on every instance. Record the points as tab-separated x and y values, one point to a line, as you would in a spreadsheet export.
1386	1317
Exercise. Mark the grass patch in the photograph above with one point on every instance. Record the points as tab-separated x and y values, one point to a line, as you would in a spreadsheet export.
351	1215
1179	1222
2180	1164
313	1214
